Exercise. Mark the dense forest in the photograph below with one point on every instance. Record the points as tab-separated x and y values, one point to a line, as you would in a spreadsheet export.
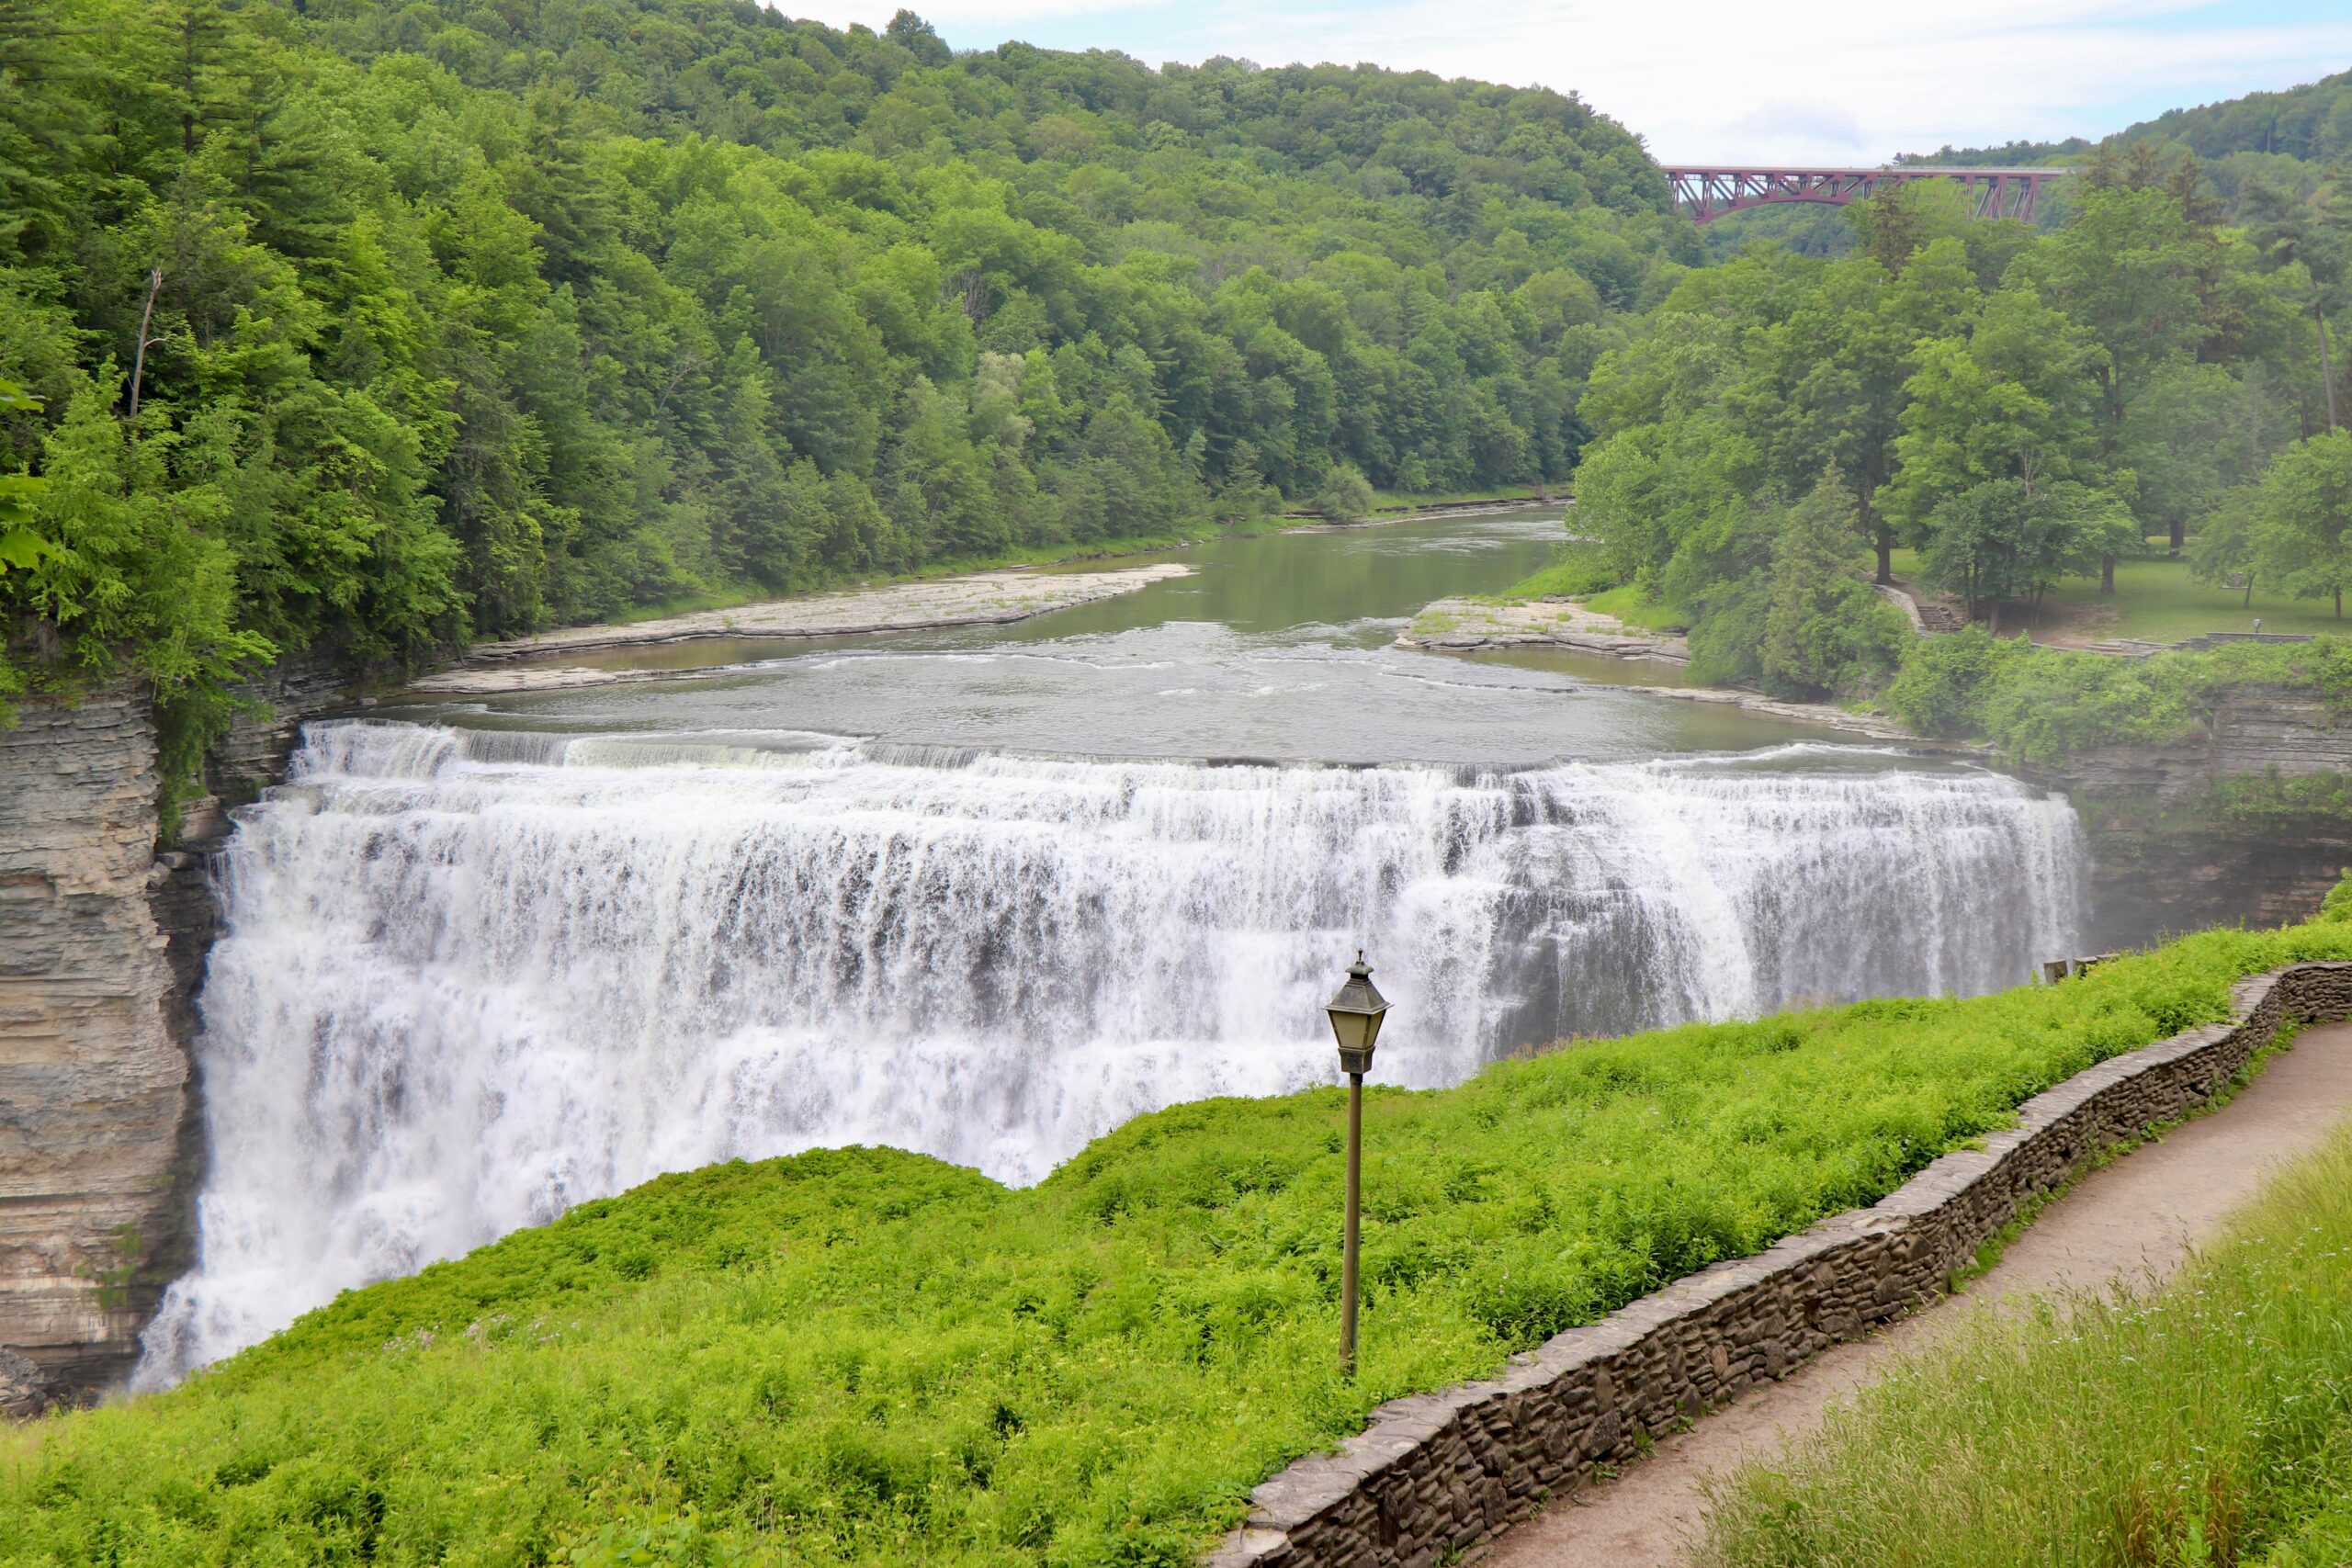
368	328
2015	407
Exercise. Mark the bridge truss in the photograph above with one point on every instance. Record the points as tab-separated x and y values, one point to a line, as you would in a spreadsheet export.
1709	191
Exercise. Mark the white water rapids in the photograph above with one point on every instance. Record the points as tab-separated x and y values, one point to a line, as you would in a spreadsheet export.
467	979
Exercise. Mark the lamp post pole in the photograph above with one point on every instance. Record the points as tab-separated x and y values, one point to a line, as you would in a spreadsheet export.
1355	1015
1355	1211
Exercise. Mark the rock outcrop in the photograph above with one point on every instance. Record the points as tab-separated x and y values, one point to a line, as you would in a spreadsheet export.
2172	857
23	1390
96	1135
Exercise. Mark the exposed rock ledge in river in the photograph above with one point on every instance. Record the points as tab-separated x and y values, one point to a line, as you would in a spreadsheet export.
987	598
1469	625
1464	626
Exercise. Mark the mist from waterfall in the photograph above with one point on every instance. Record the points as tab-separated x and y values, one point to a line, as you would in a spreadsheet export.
470	979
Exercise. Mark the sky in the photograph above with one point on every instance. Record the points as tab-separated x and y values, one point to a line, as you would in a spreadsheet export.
1748	81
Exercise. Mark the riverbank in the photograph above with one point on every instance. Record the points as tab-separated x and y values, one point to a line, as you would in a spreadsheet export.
1474	625
994	595
2240	752
988	598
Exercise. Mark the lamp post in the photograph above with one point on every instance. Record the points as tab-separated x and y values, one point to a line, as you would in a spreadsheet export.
1355	1015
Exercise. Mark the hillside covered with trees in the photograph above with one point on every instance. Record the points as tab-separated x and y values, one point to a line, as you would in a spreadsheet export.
368	328
2286	139
2015	408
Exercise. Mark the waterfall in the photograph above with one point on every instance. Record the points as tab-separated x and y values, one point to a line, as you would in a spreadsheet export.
467	979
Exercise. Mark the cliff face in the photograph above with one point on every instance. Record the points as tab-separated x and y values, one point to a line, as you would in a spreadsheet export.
102	951
2173	855
95	1140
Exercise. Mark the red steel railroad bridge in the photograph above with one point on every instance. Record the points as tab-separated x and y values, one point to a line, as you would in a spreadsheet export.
1710	190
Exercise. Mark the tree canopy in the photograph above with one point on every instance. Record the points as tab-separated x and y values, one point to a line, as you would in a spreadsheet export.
2017	407
379	326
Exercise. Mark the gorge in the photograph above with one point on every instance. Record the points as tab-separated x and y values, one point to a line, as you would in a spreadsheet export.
982	894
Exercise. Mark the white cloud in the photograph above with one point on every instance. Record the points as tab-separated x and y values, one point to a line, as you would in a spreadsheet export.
1824	81
1810	121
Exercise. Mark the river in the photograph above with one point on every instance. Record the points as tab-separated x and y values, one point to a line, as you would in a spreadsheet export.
987	893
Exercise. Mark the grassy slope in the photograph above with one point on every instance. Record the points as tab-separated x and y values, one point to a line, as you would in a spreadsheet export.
1582	573
2207	1423
869	1356
1631	606
2159	601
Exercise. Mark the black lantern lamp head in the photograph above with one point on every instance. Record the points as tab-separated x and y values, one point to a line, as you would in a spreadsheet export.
1355	1018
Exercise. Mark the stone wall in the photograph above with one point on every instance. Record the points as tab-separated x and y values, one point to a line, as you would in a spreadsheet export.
95	1134
1436	1472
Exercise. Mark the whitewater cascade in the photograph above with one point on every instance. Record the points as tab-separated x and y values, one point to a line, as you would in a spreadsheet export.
467	979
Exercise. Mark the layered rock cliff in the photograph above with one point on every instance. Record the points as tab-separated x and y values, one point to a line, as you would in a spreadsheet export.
2212	831
96	1144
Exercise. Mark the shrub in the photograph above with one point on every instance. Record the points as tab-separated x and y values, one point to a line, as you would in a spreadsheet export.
1344	494
2046	704
1942	686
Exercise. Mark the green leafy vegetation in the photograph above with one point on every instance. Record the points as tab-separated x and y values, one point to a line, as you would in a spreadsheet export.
869	1356
367	327
2009	413
1630	605
1582	568
2044	704
2208	1422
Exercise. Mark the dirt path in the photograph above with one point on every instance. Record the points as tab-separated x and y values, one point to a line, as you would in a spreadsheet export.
2134	1219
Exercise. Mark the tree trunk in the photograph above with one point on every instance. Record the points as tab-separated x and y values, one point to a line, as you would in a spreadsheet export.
1993	620
146	318
2180	533
2107	575
2249	592
187	83
1885	557
2327	369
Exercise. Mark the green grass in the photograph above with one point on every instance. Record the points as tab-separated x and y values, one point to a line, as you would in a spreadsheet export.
1581	568
1629	606
1413	500
2159	602
2206	1423
869	1356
